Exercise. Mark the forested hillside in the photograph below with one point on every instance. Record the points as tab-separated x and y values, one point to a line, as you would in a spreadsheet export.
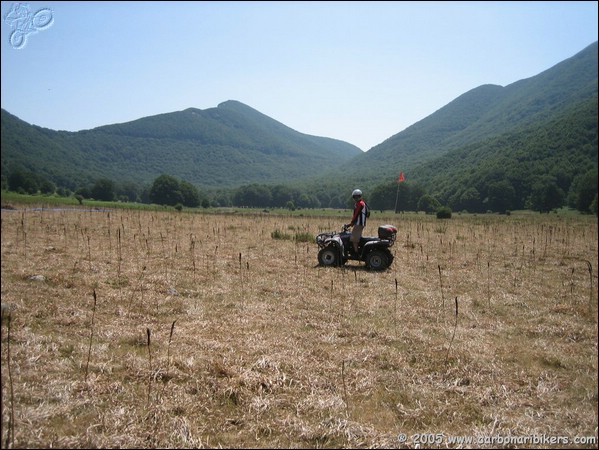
221	147
531	144
476	116
541	131
538	167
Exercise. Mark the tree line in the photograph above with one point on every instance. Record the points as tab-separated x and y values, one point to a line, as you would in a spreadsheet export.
500	196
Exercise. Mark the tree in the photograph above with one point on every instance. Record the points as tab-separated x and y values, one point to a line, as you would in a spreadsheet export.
103	189
166	191
47	187
428	204
546	195
500	196
383	196
22	181
584	190
83	192
467	199
190	194
281	195
307	201
254	196
128	191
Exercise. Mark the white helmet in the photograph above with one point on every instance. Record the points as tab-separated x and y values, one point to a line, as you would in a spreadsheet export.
356	193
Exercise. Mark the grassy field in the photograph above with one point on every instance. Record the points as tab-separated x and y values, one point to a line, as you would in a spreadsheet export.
138	329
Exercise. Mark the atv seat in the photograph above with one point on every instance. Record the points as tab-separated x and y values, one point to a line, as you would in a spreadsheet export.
364	240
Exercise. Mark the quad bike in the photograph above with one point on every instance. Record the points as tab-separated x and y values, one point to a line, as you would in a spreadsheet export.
336	248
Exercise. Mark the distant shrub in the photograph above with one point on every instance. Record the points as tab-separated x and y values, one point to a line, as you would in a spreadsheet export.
303	237
278	234
444	212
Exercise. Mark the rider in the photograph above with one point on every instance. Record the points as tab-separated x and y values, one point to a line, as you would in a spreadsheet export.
358	220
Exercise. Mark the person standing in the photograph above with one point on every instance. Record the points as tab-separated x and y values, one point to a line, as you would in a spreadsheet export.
358	220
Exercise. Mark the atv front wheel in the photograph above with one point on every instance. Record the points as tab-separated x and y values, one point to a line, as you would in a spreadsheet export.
328	256
378	260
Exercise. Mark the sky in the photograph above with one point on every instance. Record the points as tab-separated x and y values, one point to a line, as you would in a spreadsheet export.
359	72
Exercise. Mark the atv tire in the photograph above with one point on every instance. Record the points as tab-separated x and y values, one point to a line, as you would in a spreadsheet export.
378	260
329	256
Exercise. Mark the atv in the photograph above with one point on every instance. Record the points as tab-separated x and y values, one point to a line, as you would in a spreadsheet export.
336	248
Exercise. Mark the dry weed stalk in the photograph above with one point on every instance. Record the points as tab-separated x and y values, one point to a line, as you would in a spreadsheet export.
140	287
89	252
395	308
192	246
119	254
345	399
168	353
455	326
10	433
590	267
441	283
91	336
150	363
489	282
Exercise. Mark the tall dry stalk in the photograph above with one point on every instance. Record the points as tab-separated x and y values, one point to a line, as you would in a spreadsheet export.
119	262
192	247
139	286
150	361
441	283
489	282
91	336
590	267
168	352
89	252
454	329
109	235
119	254
395	308
572	284
10	435
344	388
24	234
240	272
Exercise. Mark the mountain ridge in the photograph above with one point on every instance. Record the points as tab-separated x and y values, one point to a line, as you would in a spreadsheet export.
234	145
478	114
204	145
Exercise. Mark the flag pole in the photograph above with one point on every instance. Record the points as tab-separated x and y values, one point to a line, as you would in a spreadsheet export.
401	178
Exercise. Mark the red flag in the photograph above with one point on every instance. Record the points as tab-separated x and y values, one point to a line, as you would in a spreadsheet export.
401	177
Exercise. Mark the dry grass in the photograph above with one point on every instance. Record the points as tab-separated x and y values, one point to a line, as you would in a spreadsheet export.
147	329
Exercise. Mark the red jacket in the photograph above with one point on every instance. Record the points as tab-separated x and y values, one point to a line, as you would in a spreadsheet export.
359	216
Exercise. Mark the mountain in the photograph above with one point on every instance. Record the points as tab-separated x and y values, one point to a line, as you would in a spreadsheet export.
492	148
483	113
226	146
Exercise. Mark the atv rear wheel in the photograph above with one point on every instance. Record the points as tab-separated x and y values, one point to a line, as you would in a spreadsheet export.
378	260
328	256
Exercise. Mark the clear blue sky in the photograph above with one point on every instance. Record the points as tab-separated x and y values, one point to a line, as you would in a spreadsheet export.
360	72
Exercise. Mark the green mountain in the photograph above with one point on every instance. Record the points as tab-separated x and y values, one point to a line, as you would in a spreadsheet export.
222	147
533	142
530	144
485	113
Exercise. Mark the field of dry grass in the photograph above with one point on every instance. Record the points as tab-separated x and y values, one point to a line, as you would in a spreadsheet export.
159	329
